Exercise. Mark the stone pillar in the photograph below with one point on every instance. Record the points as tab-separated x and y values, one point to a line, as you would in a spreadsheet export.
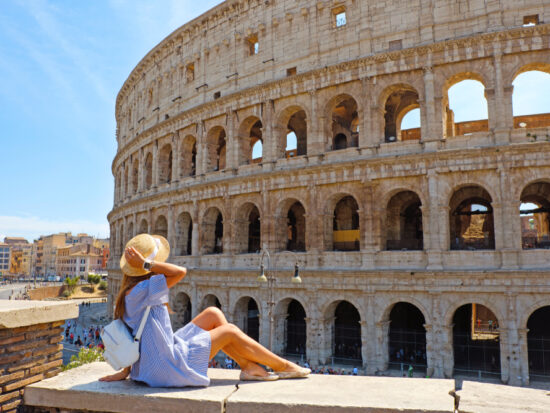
232	141
194	300
176	157
265	325
431	125
269	135
202	150
382	343
171	221
141	171
377	125
315	127
501	119
366	138
505	353
195	239
364	344
314	340
513	344
523	355
155	164
325	348
434	240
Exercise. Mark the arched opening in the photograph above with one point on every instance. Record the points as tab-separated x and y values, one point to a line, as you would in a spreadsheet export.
296	224
212	232
148	171
476	343
538	344
250	133
295	334
216	144
407	337
531	106
345	121
340	142
296	135
143	227
165	164
189	157
471	219
248	231
161	226
404	222
184	234
410	125
135	176
535	216
465	106
345	232
347	334
401	101
247	317
182	311
210	300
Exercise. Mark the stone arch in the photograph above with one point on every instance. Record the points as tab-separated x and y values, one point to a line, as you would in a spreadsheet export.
246	316
343	330
476	340
161	226
538	343
523	66
143	226
342	225
535	215
210	300
450	127
212	231
282	228
343	114
540	117
250	132
290	327
397	100
471	223
247	229
293	119
216	146
188	159
182	307
184	234
406	336
404	222
165	164
148	170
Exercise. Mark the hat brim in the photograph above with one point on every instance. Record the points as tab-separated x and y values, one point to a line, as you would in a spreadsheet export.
162	256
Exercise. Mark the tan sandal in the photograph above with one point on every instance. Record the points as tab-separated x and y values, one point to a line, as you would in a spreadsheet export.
244	376
303	372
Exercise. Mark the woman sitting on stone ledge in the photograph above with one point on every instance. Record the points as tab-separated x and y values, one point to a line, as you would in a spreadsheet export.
180	358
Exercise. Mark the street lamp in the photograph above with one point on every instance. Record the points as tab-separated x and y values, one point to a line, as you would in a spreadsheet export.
271	280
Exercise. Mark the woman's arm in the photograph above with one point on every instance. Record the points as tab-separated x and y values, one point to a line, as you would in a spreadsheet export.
173	273
121	375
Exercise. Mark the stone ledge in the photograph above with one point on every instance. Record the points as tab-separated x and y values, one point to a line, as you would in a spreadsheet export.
478	397
79	389
14	313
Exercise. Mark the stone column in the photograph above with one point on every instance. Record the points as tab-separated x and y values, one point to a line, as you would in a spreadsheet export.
510	223
505	353
171	221
382	343
325	348
155	164
431	125
435	241
232	141
141	172
377	125
202	150
314	340
366	137
502	120
316	127
364	344
264	322
523	356
269	135
176	157
513	344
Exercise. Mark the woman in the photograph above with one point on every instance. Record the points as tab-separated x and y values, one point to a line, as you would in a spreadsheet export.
177	359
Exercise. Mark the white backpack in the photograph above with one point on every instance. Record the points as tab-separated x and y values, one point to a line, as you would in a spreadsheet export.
121	349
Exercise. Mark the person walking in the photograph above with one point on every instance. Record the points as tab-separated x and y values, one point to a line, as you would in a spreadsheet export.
180	358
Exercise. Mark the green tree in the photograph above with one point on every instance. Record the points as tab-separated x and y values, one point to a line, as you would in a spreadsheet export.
94	279
85	356
71	283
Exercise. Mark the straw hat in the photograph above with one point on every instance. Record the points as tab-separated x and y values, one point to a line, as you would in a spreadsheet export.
152	247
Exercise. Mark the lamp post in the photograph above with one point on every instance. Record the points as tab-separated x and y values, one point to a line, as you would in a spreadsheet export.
271	281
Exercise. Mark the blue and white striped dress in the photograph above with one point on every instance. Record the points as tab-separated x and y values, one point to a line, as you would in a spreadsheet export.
167	358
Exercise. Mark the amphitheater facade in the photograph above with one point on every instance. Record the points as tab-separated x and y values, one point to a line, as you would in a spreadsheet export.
410	243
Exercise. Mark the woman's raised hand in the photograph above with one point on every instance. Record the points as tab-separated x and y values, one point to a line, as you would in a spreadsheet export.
134	257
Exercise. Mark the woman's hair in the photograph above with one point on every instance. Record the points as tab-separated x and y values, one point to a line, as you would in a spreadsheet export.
127	284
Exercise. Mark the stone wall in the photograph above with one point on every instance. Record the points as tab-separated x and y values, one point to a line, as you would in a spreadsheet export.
30	346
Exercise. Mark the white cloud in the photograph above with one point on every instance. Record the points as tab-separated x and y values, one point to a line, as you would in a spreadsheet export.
31	227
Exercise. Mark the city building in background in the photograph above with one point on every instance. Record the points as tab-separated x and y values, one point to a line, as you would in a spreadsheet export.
5	258
21	255
79	260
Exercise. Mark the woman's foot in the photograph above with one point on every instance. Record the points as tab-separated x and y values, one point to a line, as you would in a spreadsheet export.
254	369
292	371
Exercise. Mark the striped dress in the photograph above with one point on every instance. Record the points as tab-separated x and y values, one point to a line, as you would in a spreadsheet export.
167	358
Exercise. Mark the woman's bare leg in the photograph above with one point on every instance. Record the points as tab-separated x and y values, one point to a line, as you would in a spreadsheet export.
212	318
249	349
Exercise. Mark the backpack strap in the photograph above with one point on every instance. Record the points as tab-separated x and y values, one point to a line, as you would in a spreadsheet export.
142	324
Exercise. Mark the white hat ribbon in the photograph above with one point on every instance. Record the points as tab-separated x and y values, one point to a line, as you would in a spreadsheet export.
156	250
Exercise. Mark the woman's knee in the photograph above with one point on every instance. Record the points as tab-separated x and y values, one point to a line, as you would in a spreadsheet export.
216	314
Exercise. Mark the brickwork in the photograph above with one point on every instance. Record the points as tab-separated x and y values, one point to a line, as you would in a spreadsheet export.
387	214
27	355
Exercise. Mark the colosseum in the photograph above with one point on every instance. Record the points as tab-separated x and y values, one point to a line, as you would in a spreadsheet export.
269	132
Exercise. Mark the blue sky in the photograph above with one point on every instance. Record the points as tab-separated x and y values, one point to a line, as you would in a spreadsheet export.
62	64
